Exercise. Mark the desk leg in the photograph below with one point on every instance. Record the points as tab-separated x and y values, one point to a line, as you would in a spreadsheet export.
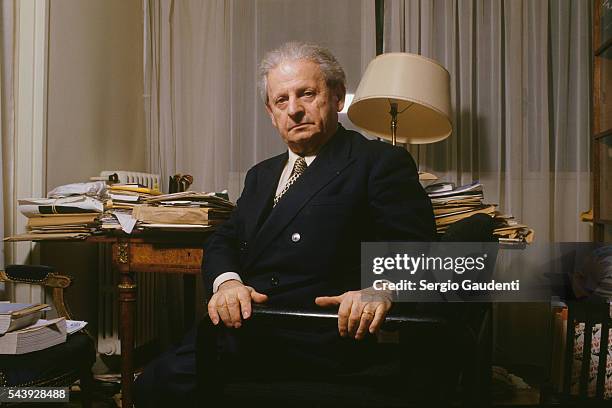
127	301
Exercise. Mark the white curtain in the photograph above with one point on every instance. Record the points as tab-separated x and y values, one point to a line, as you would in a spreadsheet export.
520	89
204	116
7	122
520	83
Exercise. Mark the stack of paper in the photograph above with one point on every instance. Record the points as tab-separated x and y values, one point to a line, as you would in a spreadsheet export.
451	204
14	316
128	196
60	218
39	336
184	210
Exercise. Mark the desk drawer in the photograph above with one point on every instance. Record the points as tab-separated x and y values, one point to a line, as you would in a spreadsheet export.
149	257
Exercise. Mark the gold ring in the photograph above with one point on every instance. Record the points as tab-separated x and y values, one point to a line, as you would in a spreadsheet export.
368	313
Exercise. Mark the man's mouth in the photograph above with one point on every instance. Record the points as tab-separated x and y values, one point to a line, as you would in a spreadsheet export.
298	126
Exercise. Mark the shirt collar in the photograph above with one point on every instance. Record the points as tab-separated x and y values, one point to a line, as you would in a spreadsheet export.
293	157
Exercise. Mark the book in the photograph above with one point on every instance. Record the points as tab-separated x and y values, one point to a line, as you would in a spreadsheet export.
40	336
14	316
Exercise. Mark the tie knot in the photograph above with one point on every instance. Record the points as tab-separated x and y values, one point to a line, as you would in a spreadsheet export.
299	166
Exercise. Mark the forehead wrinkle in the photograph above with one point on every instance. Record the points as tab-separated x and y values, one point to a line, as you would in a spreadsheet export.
291	74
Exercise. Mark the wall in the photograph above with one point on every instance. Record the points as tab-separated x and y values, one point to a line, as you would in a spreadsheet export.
94	115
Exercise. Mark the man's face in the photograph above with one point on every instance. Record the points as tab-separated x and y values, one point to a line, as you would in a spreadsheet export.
301	106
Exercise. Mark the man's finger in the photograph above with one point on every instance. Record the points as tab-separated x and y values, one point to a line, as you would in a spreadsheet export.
326	301
355	317
244	298
343	315
366	318
212	311
379	318
233	305
256	296
221	307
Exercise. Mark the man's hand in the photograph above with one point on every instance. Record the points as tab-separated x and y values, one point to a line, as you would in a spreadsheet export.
232	303
360	311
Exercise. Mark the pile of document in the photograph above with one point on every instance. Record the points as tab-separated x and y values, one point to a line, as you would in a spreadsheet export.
129	196
188	210
76	211
123	199
70	211
451	204
22	331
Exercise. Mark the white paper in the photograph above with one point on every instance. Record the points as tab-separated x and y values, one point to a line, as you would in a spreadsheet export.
124	197
72	326
127	222
94	189
29	206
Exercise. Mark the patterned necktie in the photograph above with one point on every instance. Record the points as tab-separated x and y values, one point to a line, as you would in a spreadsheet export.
298	168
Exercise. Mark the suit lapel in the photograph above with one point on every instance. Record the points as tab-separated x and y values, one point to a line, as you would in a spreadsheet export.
266	187
331	160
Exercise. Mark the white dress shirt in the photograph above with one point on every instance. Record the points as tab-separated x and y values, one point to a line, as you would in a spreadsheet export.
224	277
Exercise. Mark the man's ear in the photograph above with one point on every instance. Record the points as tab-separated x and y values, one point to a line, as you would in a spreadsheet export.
340	95
271	114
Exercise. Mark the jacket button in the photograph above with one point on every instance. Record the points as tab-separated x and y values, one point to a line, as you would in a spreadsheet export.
296	237
243	246
274	281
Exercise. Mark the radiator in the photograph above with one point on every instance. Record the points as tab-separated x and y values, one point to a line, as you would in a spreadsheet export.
146	327
146	179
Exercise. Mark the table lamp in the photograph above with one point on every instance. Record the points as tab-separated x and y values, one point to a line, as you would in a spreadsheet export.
408	89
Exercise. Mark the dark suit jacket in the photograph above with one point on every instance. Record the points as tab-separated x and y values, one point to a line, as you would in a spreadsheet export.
356	190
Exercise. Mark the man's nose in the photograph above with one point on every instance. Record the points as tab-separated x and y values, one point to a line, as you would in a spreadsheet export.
295	108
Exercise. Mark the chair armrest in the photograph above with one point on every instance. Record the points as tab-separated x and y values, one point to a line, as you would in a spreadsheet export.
40	275
392	319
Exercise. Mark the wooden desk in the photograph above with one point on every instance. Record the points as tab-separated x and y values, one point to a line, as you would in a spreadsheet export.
165	252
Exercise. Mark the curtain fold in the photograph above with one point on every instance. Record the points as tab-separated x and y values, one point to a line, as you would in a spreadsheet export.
520	80
7	119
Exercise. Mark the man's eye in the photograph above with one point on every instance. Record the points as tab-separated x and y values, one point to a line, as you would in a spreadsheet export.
280	102
309	93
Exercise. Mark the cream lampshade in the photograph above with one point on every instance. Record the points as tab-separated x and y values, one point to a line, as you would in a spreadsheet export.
403	97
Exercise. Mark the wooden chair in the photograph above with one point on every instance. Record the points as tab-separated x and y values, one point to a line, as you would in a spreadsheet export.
57	366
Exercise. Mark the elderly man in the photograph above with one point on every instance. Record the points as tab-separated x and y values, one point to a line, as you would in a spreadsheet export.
294	237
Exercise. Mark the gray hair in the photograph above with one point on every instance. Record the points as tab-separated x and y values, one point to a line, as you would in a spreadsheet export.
293	51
